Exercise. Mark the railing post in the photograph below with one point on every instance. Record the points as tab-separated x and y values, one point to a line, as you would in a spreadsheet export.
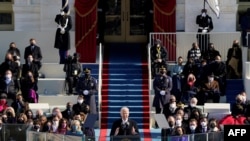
100	81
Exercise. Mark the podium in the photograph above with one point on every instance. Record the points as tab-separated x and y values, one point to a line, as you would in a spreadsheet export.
125	138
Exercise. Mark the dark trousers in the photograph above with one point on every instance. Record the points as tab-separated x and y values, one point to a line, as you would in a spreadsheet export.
203	41
63	55
71	81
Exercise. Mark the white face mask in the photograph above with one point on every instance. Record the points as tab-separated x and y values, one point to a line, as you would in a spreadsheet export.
210	79
56	122
192	105
244	98
192	127
172	105
203	124
8	76
178	122
203	14
80	101
62	13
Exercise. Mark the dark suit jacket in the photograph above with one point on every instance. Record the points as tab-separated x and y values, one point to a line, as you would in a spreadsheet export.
33	67
127	131
66	114
36	53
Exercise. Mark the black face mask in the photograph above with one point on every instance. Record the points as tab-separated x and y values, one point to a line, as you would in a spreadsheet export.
69	107
212	125
235	45
171	124
20	121
87	75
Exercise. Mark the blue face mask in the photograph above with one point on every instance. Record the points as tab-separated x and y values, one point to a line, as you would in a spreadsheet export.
73	128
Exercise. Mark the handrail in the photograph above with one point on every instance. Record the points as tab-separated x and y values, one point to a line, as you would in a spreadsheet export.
100	80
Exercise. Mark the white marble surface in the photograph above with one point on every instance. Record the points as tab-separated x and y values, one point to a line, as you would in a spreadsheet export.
38	15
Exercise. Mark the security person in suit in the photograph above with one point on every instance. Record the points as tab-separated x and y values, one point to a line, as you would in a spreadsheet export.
125	127
87	85
205	24
35	51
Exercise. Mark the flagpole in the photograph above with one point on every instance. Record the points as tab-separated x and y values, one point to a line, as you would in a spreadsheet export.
204	4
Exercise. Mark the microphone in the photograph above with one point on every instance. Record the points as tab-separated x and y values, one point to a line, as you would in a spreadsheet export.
125	125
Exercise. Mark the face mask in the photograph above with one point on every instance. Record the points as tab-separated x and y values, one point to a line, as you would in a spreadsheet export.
171	124
185	117
36	127
87	75
55	122
69	107
8	76
80	101
210	79
74	128
64	125
172	105
20	121
178	122
203	124
62	13
30	60
235	45
212	125
192	105
244	99
192	127
203	14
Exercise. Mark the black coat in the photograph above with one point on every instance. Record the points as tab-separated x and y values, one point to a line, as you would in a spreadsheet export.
12	66
33	67
77	108
122	131
36	53
62	41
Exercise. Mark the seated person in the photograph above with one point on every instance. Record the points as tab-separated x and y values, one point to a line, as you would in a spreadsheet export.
210	90
190	89
3	102
30	66
218	67
179	134
165	133
193	127
170	107
75	128
9	85
191	107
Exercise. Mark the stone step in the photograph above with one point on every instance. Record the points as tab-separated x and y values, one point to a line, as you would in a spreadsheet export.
51	86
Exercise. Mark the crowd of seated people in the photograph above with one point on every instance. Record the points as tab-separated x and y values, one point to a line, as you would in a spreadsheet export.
69	121
18	88
202	79
188	120
202	76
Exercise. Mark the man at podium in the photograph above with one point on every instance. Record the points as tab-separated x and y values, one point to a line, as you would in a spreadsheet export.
124	128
